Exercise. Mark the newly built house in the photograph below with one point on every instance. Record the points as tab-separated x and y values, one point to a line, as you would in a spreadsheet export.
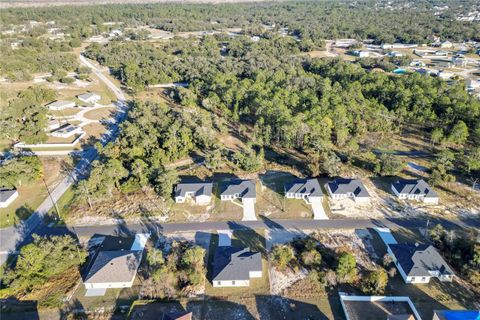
115	266
240	189
61	105
235	266
347	188
89	97
418	263
416	189
7	196
66	131
200	193
306	189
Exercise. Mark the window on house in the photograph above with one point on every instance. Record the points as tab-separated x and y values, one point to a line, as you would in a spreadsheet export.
423	279
233	282
219	283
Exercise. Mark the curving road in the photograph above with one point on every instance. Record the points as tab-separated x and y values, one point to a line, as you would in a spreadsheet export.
12	237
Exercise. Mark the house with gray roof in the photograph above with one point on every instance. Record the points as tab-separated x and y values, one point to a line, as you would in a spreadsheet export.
416	189
115	266
347	188
418	263
7	196
306	189
240	189
200	193
235	266
61	105
89	97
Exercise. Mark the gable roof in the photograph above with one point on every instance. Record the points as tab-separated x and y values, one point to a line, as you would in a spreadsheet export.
309	187
6	194
87	95
114	266
417	187
235	263
418	260
199	188
59	103
343	186
246	189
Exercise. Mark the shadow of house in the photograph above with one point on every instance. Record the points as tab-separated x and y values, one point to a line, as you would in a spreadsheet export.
219	309
170	310
248	237
14	309
278	307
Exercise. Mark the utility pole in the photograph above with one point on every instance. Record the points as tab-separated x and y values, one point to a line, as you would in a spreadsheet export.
53	201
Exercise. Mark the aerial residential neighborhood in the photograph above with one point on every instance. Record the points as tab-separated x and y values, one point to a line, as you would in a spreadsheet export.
186	160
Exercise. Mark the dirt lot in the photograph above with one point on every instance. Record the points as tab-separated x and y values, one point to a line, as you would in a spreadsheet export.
100	114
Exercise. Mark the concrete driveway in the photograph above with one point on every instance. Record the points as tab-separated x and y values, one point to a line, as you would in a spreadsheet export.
248	210
318	212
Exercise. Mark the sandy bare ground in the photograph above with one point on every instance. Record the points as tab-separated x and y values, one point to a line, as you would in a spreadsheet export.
47	3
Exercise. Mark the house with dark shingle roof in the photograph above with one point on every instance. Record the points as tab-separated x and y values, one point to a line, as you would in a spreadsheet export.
201	192
418	263
240	189
347	188
115	264
306	189
415	190
235	266
7	196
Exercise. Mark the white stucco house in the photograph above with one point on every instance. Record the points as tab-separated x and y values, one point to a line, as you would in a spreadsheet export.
240	189
199	192
416	189
66	131
306	189
61	105
347	188
7	196
89	97
418	263
115	266
235	266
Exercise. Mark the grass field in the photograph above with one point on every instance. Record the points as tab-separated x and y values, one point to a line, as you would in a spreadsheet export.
31	196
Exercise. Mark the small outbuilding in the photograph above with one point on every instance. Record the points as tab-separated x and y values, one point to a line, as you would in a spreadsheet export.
61	105
7	196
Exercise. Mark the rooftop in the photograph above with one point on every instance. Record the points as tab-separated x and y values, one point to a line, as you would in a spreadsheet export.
305	186
235	263
246	188
114	266
199	188
418	260
457	314
418	187
343	186
5	194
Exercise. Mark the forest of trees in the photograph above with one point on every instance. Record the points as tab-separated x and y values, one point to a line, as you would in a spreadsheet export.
310	20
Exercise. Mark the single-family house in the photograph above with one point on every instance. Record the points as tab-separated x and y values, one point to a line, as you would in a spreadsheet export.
456	315
235	266
418	263
115	266
347	188
61	105
306	189
201	193
472	84
66	131
89	97
240	189
416	189
446	45
7	196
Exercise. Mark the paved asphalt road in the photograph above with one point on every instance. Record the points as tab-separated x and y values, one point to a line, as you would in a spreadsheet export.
12	237
301	225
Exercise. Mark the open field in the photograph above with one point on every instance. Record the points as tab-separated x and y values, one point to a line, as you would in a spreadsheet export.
31	196
99	114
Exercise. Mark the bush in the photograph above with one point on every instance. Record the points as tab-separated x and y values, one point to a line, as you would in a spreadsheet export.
375	282
282	256
347	267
